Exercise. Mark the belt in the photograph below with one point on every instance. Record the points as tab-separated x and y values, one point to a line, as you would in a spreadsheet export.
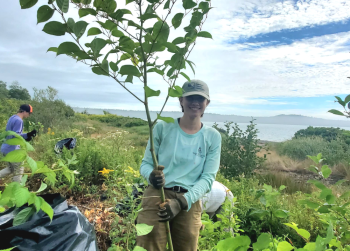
176	189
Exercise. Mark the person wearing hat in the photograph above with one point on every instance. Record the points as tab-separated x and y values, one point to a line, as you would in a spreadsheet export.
15	124
188	153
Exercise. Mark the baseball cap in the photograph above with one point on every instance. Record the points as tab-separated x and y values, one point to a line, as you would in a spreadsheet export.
195	87
26	108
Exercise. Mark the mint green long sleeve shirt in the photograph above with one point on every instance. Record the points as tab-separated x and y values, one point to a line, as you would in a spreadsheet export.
190	160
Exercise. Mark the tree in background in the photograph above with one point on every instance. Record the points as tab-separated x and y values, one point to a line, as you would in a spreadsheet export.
18	92
3	90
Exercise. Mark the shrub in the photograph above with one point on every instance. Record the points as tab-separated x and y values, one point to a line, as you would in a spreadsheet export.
327	133
334	151
239	150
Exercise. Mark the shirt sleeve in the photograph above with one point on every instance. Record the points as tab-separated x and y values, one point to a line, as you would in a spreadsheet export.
17	127
147	161
211	167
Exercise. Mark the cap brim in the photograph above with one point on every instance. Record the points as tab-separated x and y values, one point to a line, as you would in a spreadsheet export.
195	93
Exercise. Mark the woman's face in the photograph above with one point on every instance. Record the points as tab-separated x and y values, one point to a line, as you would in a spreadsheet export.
194	105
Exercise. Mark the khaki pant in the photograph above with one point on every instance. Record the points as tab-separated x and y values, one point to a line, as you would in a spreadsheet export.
12	168
184	227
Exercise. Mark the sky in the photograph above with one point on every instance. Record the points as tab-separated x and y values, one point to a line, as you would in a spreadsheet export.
267	57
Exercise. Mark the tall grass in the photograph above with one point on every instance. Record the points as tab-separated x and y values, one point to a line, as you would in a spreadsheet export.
334	151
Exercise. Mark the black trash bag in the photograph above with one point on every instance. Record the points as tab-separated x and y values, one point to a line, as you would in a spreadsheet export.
68	231
123	207
68	143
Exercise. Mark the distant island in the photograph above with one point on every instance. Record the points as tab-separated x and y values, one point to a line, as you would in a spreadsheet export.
210	117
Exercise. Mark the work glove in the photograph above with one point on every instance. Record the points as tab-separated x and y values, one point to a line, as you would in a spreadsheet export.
30	135
157	178
172	207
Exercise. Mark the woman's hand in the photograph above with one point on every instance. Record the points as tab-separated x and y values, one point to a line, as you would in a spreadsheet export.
157	178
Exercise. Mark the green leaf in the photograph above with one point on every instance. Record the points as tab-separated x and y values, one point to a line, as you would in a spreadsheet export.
187	77
311	246
317	183
151	93
179	40
21	195
284	246
259	213
113	66
161	32
167	5
303	233
97	45
326	171
33	199
345	195
15	156
347	99
24	180
16	141
263	241
190	64
282	187
340	101
128	1
23	216
325	193
160	72
81	55
233	243
94	31
171	47
118	15
204	6
129	79
32	164
138	248
176	92
336	112
63	5
117	33
46	208
44	13
330	199
129	70
67	48
70	24
330	234
79	28
165	119
54	49
323	209
143	229
87	11
177	19
26	4
109	25
107	6
104	65
280	213
338	183
309	203
8	249
188	4
148	16
42	187
97	70
54	28
170	72
204	34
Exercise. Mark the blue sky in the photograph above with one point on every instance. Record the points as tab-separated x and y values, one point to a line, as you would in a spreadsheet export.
268	57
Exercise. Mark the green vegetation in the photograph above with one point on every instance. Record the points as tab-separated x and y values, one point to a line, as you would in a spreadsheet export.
327	133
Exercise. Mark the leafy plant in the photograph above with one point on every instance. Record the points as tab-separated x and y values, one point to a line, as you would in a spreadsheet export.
239	150
345	104
130	45
17	194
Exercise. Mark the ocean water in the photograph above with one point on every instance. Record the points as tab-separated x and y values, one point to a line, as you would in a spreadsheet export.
271	132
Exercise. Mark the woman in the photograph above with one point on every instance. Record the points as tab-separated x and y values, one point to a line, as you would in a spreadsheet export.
190	153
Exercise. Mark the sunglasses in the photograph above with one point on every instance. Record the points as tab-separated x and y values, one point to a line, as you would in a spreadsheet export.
198	98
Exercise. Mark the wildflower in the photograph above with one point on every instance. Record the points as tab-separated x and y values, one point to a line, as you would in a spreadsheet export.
52	133
75	172
105	171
